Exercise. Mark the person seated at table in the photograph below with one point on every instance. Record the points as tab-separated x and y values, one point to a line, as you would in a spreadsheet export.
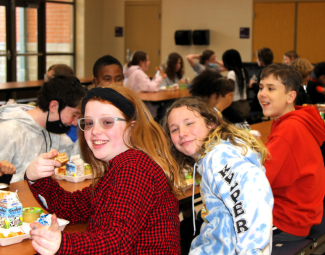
316	86
174	70
62	69
27	131
289	57
137	80
237	198
59	69
207	60
218	93
130	207
295	169
135	76
304	68
264	57
238	75
6	171
107	70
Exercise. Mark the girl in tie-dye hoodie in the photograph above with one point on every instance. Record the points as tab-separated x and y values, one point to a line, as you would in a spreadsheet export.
237	198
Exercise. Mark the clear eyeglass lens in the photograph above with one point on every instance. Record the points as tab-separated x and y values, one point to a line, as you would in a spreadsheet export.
106	122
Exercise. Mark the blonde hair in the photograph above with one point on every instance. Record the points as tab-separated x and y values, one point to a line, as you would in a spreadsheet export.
223	131
304	67
144	135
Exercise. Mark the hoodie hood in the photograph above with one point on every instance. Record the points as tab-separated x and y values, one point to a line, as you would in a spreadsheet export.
128	71
309	116
17	112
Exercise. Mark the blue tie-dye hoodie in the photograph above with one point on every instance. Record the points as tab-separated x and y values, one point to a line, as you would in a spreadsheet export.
237	201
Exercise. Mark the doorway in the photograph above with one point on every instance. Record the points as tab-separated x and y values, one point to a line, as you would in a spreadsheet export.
143	31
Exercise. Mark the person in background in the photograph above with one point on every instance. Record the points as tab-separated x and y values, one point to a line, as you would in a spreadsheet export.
206	60
289	57
237	198
135	76
106	71
264	57
239	77
62	69
218	93
59	69
316	86
131	206
174	70
137	80
27	131
304	68
295	169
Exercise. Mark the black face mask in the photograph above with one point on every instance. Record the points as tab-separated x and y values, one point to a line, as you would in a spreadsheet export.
56	127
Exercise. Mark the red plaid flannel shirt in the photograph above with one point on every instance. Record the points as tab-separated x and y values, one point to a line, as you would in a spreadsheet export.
131	211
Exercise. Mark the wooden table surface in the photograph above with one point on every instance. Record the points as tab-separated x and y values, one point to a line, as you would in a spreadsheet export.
28	200
264	128
163	95
22	85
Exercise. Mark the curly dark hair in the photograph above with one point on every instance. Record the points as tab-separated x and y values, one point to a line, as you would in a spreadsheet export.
67	90
210	82
171	65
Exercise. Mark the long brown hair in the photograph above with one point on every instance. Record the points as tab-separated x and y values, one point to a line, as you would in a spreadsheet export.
145	135
171	65
223	130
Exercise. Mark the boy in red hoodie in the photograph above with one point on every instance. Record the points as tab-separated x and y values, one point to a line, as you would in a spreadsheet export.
295	168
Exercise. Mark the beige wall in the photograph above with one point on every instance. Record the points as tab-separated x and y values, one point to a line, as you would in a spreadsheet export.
223	18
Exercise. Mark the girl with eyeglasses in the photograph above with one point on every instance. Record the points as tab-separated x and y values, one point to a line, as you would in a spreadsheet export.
131	206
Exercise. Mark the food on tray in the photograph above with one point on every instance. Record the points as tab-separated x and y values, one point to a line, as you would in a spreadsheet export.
11	210
62	158
12	234
161	71
189	178
88	169
31	214
61	170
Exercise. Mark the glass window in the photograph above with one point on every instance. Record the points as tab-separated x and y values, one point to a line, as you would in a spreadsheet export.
59	59
26	30
59	28
27	68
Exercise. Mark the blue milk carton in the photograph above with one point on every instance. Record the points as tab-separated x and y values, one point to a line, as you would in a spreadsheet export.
11	210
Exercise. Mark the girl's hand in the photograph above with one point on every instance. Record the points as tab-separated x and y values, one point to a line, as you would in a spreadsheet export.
43	166
46	240
6	168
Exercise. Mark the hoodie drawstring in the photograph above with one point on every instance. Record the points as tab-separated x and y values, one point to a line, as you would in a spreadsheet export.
193	214
46	141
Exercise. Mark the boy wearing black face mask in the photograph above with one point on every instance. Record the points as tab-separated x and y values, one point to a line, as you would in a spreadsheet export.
27	131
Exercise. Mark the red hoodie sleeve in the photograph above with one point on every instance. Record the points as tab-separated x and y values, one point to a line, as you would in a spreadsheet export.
281	157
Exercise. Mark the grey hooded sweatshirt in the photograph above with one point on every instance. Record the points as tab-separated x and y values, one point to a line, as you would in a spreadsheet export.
22	140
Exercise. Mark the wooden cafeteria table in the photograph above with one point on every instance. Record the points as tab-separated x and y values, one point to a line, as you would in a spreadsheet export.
28	200
10	87
264	128
163	95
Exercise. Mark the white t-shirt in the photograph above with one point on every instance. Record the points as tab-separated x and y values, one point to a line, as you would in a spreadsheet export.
232	75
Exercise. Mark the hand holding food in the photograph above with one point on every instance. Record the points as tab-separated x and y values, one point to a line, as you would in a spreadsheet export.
6	168
46	240
43	166
163	74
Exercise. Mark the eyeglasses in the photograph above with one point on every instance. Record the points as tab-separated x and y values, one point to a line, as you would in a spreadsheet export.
87	124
